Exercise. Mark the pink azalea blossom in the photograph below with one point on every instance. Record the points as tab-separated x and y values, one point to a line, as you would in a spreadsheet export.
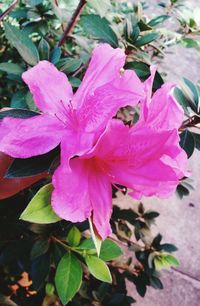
74	120
146	158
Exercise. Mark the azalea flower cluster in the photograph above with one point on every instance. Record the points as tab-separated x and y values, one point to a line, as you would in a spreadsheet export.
98	150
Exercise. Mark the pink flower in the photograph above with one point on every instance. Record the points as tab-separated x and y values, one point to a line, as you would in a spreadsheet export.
146	158
75	121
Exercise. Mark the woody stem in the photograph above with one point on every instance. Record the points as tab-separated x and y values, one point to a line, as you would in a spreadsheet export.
72	22
6	12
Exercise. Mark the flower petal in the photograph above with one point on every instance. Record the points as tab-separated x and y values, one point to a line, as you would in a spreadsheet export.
101	200
101	105
23	138
105	64
162	110
70	198
140	158
50	88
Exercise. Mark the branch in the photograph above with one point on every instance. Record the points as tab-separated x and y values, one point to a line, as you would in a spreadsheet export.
72	22
4	14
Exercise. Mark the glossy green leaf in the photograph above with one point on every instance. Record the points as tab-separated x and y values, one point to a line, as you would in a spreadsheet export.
109	249
55	55
68	277
39	248
11	68
69	65
146	39
18	99
17	113
187	142
99	28
157	20
22	43
24	167
98	268
74	236
44	49
39	209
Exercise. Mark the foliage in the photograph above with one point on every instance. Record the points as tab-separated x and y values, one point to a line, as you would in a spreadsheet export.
60	257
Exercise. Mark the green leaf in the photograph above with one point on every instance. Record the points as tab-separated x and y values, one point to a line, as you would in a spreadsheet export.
39	248
68	277
18	99
98	268
157	20
99	28
100	6
149	215
188	42
165	261
110	250
182	100
75	82
39	209
194	92
197	140
142	70
17	113
69	65
40	268
44	49
74	236
187	142
24	167
22	43
146	39
167	247
11	68
55	55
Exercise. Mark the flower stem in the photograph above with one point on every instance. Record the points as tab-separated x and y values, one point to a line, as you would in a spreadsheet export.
4	14
72	22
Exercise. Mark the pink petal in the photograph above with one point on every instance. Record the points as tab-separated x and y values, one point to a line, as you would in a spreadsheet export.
23	138
105	101
101	200
105	64
140	158
51	89
162	110
70	198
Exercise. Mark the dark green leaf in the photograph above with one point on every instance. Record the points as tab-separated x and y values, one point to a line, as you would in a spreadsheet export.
194	92
39	209
99	28
32	166
98	268
157	240
44	49
39	248
187	142
197	140
149	215
18	99
189	42
156	283
11	68
69	65
22	43
39	270
18	113
167	247
146	39
157	20
68	277
181	98
55	55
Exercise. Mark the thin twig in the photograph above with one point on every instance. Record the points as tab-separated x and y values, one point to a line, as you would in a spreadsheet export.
72	22
4	14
